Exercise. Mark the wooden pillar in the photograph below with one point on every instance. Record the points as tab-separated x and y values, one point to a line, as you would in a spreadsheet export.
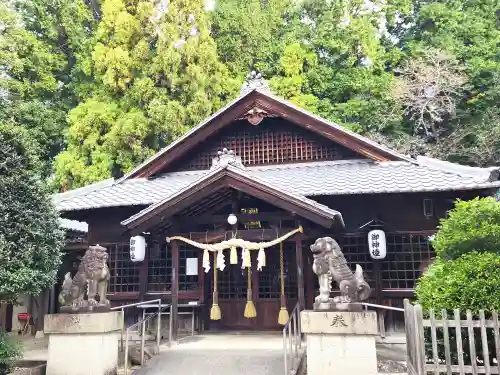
300	271
378	295
175	289
143	275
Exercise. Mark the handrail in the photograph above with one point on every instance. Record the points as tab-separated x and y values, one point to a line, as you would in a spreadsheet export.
142	322
293	331
123	307
379	306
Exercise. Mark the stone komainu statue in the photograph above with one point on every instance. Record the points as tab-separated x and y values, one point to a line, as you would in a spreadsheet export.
330	264
91	279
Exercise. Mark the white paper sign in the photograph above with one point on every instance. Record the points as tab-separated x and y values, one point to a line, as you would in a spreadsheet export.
191	266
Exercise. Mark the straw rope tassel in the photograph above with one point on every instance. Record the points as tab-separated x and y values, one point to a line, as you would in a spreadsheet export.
233	256
215	313
283	314
250	311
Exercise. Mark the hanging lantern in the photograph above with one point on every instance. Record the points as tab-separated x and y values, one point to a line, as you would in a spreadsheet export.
232	219
377	244
137	248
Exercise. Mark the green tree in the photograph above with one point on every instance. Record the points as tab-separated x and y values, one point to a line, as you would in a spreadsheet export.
155	73
252	34
468	32
39	45
30	237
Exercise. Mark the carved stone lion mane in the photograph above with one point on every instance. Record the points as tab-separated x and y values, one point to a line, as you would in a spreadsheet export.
330	264
92	277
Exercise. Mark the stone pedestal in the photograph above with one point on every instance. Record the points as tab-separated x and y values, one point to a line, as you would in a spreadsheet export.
340	343
83	344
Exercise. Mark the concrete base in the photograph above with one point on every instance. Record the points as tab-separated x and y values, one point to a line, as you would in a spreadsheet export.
340	343
83	344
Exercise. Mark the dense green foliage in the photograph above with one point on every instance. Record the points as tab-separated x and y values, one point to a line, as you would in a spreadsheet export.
466	273
10	351
471	225
469	282
101	86
30	237
155	73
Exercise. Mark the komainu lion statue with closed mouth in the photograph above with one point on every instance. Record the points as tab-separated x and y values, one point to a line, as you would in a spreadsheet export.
330	264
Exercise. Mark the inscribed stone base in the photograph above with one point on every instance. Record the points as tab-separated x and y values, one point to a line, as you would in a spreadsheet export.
340	343
83	344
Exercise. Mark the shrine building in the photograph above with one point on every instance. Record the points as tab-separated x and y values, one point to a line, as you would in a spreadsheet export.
257	170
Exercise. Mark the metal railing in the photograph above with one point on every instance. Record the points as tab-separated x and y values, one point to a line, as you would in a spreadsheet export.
292	341
380	317
142	324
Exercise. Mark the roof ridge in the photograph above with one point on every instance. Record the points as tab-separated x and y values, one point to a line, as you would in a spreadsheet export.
489	173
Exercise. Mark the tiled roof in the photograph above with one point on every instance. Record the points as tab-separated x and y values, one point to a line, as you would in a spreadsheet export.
76	226
299	199
306	179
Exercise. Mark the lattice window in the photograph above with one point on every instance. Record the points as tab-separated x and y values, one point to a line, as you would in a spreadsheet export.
232	282
400	269
355	249
159	269
187	282
124	273
269	277
405	253
272	142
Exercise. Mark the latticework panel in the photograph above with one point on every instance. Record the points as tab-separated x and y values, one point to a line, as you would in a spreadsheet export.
405	253
272	142
400	269
187	282
269	277
124	273
159	269
232	282
355	249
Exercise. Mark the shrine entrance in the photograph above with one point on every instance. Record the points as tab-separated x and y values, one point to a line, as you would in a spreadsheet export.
232	284
249	241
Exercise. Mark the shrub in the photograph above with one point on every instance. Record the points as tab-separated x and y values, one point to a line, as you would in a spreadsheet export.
469	282
471	226
10	351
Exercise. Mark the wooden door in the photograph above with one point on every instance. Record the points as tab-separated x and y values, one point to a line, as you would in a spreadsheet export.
266	290
232	290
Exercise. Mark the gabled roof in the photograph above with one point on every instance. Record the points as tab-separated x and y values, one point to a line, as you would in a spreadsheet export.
271	104
344	177
230	176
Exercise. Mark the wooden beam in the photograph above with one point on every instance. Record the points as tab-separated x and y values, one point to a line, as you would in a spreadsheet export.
300	271
175	289
242	218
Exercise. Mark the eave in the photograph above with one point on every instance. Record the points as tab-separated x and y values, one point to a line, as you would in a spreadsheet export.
232	177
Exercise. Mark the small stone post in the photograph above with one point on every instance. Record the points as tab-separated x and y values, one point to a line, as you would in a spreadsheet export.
340	342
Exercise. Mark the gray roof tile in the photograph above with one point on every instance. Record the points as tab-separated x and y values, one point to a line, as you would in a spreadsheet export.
76	226
306	179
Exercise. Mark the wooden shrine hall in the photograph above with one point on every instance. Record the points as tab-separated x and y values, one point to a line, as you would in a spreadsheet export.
262	170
